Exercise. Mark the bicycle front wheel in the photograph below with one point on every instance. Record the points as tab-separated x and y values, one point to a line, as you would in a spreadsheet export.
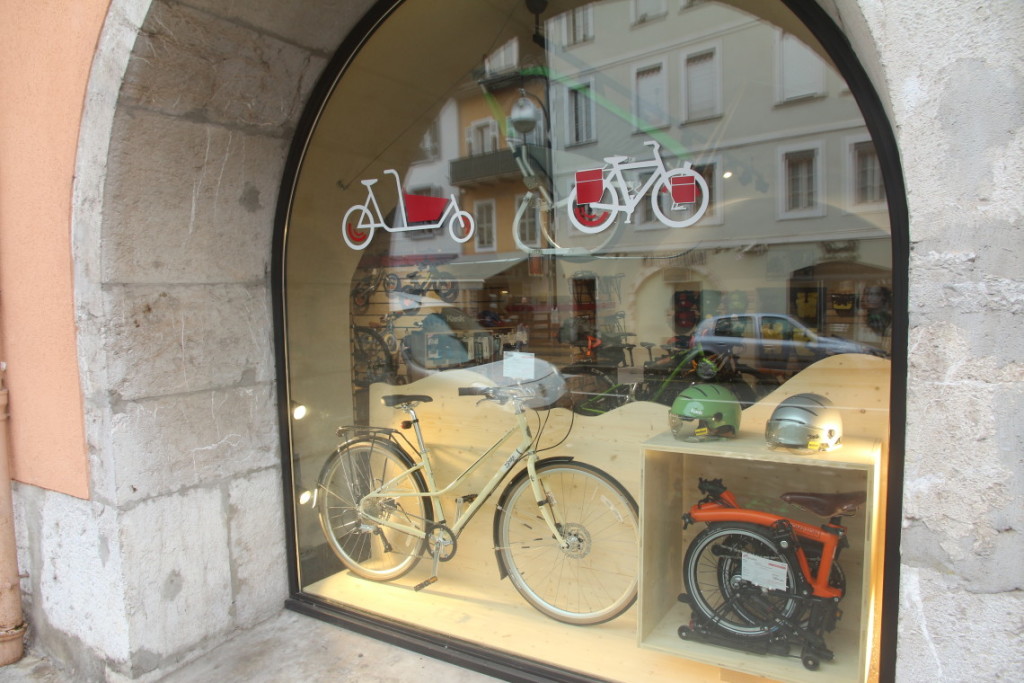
721	591
594	579
350	521
357	227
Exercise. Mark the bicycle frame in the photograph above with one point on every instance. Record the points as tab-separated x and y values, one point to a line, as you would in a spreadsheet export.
828	535
590	215
523	450
616	176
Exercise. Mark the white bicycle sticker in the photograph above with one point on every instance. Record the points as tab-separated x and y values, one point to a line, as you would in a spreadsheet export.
415	212
601	194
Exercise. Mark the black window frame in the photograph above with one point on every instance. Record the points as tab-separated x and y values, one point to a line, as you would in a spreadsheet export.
484	659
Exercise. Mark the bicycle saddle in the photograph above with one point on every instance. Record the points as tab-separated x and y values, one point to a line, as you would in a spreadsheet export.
615	160
827	504
393	400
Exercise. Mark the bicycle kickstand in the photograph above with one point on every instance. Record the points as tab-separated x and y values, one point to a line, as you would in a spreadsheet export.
435	558
433	572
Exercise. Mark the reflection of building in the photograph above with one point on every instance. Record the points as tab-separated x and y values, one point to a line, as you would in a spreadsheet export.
774	176
772	179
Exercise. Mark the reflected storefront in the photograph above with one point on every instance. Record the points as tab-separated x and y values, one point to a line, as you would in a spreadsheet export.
589	309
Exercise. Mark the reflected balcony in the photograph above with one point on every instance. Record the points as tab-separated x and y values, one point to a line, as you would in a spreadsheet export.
498	166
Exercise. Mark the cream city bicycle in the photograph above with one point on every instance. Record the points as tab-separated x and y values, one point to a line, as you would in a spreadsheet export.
565	533
679	197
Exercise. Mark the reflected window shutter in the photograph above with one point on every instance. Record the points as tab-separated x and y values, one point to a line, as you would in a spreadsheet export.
700	85
802	70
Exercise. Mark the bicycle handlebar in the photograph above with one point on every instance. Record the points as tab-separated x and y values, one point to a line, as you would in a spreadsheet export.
504	393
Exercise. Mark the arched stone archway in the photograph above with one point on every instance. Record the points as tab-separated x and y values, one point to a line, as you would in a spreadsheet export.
189	115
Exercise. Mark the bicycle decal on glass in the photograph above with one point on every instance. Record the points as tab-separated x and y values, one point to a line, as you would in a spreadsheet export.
601	194
415	212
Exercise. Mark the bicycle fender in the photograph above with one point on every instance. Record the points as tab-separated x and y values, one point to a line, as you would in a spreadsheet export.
522	474
373	438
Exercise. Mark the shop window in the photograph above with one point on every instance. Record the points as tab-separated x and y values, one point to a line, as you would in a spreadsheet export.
481	137
867	191
580	120
483	212
529	223
648	10
800	177
692	386
579	25
430	144
504	58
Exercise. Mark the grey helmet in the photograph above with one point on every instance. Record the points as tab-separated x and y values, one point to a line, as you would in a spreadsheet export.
805	421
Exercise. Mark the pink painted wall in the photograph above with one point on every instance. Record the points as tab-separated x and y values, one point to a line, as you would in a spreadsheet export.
46	51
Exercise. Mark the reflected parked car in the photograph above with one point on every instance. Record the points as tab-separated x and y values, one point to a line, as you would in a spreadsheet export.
773	341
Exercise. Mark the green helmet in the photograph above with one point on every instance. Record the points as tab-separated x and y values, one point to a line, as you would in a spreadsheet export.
715	409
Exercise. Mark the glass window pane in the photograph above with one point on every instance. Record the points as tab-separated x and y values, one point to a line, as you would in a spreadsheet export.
626	244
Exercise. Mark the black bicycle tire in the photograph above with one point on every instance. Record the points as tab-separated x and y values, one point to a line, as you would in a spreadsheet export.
369	367
592	403
447	286
737	622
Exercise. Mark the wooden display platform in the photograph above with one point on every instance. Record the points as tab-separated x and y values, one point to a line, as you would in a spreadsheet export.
471	603
757	476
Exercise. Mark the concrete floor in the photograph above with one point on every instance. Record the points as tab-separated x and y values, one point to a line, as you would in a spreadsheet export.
289	647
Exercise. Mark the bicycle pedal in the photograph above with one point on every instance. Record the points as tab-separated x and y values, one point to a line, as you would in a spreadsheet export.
423	584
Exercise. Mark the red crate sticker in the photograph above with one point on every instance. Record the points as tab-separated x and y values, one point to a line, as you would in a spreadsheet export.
684	189
589	186
424	208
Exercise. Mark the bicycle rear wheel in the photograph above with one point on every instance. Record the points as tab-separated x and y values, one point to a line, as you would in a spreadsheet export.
594	579
367	548
713	574
371	360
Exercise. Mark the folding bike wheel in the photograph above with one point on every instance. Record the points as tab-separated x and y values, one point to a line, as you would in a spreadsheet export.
719	591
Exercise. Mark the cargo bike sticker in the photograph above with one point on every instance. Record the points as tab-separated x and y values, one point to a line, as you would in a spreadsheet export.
415	212
599	195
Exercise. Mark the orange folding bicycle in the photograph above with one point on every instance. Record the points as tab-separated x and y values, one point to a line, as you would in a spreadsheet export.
761	582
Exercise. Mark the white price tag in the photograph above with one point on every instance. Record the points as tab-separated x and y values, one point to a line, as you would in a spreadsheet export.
761	571
518	365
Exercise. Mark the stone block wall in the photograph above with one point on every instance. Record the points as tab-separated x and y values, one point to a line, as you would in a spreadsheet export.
193	106
952	76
